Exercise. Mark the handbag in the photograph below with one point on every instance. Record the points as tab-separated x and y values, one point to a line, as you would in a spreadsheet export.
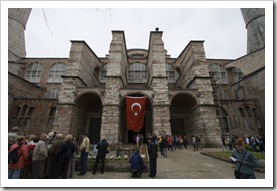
237	173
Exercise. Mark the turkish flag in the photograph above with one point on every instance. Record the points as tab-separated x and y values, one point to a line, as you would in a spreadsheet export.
135	107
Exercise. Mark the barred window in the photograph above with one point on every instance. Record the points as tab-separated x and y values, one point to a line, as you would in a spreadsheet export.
55	72
33	72
171	73
103	73
137	73
238	75
53	93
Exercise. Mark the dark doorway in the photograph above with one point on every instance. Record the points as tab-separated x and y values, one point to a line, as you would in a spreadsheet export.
177	127
94	130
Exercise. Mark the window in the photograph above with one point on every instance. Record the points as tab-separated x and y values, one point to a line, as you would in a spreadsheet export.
22	122
51	119
103	73
24	110
28	122
222	116
249	117
238	75
242	112
137	73
55	73
52	111
53	93
171	73
17	110
30	111
218	73
50	122
33	72
240	93
23	115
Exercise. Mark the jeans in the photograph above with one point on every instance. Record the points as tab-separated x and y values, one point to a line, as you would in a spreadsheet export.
84	157
14	173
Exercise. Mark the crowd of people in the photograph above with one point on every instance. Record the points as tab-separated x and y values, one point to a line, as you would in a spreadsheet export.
252	143
53	155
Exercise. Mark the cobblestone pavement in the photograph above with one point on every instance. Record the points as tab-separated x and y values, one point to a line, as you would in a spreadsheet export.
180	164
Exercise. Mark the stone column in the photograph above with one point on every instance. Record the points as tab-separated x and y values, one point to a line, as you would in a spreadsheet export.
161	113
114	81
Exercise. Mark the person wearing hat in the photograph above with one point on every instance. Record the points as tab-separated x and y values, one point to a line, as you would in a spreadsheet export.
102	147
84	149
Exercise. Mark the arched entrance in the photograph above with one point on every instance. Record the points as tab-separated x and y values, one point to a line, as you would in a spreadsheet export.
90	112
180	114
127	136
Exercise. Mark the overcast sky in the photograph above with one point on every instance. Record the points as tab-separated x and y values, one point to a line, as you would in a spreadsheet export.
49	30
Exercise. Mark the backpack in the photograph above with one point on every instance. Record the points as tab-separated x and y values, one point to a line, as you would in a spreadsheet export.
68	154
13	156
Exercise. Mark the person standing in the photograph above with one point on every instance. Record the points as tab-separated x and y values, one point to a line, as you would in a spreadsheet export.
245	161
66	152
71	167
84	149
102	147
40	155
52	170
153	154
194	143
15	168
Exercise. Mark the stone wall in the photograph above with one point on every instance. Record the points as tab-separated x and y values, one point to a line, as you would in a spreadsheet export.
249	63
39	117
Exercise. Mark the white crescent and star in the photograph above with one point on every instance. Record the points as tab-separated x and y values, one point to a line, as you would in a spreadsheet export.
133	105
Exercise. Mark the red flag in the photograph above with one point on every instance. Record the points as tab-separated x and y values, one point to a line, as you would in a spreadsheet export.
135	107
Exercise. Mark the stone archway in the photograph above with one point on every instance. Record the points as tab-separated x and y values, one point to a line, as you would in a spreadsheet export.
180	114
90	112
126	136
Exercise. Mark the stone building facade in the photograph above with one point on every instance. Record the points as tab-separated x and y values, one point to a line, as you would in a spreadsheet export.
188	95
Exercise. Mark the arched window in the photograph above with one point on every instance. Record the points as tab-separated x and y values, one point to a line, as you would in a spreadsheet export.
218	73
28	122
52	111
242	112
171	73
137	73
24	109
240	94
51	119
30	111
50	122
249	117
53	93
22	122
222	116
103	73
33	72
23	115
55	72
237	73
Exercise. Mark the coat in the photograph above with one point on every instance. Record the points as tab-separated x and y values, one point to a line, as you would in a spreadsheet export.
102	148
24	151
136	162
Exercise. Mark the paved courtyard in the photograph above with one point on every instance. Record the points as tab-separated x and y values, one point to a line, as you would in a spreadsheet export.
180	164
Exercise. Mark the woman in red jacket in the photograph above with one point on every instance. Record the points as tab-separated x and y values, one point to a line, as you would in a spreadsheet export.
15	168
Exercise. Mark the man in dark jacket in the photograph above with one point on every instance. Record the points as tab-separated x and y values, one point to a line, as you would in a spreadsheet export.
152	152
101	155
137	166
